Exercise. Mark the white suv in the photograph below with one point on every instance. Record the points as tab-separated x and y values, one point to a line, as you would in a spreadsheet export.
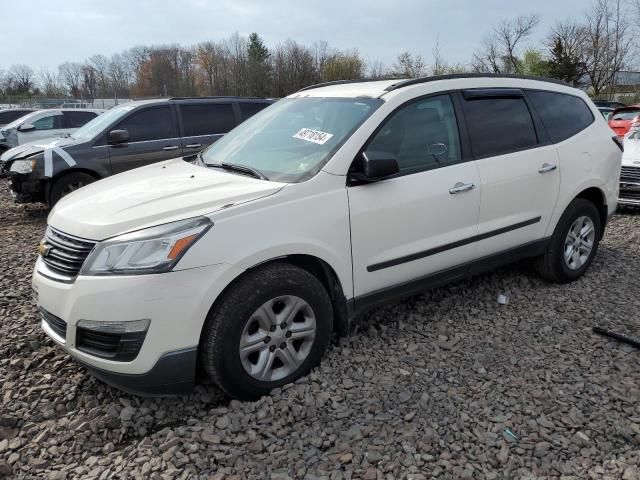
338	198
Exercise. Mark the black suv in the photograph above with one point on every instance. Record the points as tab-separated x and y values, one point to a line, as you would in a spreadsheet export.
125	137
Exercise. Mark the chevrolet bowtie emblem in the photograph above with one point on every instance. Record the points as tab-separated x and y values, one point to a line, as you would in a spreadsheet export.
44	249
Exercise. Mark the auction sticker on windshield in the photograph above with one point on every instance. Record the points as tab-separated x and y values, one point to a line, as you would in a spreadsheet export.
315	136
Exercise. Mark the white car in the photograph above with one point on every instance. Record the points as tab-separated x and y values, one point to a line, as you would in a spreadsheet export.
630	175
44	124
336	199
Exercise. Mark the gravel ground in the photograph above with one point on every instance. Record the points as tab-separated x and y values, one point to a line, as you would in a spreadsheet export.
449	384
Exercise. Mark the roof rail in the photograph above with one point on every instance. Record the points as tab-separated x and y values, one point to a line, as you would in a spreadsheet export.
217	96
344	82
415	81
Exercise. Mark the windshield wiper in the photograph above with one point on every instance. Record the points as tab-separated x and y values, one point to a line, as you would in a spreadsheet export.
252	172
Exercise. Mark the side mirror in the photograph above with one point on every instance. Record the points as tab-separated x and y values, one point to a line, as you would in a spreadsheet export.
118	137
378	165
26	127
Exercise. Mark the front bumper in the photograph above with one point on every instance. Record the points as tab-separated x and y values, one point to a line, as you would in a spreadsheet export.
24	189
177	304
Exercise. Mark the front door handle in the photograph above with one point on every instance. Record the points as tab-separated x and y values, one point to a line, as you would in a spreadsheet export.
547	167
170	147
193	145
461	187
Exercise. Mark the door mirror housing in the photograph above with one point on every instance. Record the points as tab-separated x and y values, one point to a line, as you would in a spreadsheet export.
118	137
376	166
26	127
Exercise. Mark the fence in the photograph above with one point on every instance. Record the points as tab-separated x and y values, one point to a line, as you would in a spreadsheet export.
62	102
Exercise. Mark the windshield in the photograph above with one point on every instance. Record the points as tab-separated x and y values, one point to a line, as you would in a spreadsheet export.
96	126
291	140
626	115
16	123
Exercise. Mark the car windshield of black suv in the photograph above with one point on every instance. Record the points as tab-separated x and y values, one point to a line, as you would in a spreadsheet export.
97	125
291	140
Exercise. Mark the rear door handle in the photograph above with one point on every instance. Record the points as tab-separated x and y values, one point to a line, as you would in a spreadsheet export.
193	145
170	147
461	187
547	167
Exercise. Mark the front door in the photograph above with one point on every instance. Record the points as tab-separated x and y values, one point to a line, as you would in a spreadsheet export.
48	126
423	220
153	137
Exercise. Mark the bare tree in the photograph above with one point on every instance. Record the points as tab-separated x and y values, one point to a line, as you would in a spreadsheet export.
376	69
607	43
100	65
22	77
407	65
49	82
71	77
440	66
500	49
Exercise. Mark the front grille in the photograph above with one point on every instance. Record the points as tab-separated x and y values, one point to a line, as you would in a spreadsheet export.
65	254
630	195
121	347
630	174
56	324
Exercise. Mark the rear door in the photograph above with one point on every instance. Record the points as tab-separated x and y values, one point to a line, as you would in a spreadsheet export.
518	165
204	123
153	137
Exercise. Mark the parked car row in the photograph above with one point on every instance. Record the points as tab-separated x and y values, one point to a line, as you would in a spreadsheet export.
340	197
125	137
44	124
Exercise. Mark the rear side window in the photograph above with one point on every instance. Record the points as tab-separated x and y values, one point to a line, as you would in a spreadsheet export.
249	109
207	119
499	125
149	124
562	115
77	119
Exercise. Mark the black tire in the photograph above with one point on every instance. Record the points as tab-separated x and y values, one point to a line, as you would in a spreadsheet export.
68	183
552	265
226	321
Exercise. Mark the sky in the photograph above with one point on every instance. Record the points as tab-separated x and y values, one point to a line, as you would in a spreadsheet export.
55	31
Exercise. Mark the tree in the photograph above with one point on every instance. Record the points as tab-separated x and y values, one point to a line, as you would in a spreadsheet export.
501	47
100	65
534	64
258	68
49	82
607	43
407	65
22	78
71	77
566	47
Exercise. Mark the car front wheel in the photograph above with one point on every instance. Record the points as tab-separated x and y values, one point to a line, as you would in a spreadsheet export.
271	327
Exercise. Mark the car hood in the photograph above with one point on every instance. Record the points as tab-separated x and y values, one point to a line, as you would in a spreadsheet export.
152	195
33	148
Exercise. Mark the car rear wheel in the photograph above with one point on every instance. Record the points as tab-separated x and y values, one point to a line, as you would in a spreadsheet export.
68	184
271	327
573	245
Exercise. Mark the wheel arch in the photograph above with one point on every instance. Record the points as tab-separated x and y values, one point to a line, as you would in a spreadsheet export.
596	196
49	182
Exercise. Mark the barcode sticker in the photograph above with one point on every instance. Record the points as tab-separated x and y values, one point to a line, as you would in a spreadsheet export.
314	136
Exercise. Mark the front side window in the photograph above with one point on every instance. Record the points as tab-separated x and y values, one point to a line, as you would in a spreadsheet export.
562	115
421	136
50	122
629	114
294	138
499	125
207	119
150	124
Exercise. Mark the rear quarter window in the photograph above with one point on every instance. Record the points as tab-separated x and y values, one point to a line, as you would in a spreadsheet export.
562	115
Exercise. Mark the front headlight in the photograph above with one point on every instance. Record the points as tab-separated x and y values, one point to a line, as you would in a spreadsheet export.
151	250
23	166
